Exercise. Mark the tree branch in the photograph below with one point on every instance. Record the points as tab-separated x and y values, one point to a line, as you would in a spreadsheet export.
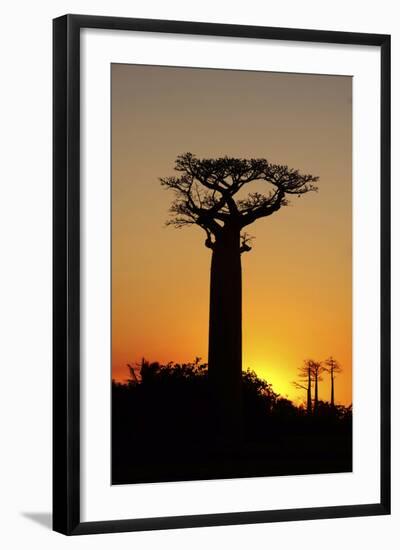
205	191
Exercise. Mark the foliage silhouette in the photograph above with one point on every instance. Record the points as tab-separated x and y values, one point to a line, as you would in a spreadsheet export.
163	429
210	193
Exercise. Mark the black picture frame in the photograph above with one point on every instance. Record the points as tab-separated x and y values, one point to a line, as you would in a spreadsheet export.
66	274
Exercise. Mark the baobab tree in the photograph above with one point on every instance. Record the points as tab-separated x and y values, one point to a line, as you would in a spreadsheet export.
305	376
333	367
317	368
209	193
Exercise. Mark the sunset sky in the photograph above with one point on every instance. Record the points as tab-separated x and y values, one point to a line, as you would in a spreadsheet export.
296	279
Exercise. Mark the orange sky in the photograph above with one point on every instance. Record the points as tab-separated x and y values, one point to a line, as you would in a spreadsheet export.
296	280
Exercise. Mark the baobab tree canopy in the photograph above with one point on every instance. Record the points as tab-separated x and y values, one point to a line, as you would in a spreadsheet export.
207	193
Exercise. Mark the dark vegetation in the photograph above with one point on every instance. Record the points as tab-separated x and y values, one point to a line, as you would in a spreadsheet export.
163	429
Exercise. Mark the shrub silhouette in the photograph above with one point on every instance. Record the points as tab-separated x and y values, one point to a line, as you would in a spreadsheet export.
163	428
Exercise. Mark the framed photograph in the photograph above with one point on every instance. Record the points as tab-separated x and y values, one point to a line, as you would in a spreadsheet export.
221	274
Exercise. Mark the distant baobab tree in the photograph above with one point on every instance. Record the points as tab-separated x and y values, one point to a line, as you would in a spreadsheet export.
333	367
317	368
305	376
210	193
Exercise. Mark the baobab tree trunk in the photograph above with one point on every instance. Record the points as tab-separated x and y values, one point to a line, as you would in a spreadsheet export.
309	406
316	394
332	389
225	334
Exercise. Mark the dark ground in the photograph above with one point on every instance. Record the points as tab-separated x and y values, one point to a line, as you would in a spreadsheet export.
163	430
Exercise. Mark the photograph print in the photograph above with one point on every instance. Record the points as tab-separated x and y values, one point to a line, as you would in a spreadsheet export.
231	273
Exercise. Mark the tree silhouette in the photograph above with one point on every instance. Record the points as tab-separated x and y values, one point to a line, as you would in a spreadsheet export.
306	375
333	367
209	193
316	368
